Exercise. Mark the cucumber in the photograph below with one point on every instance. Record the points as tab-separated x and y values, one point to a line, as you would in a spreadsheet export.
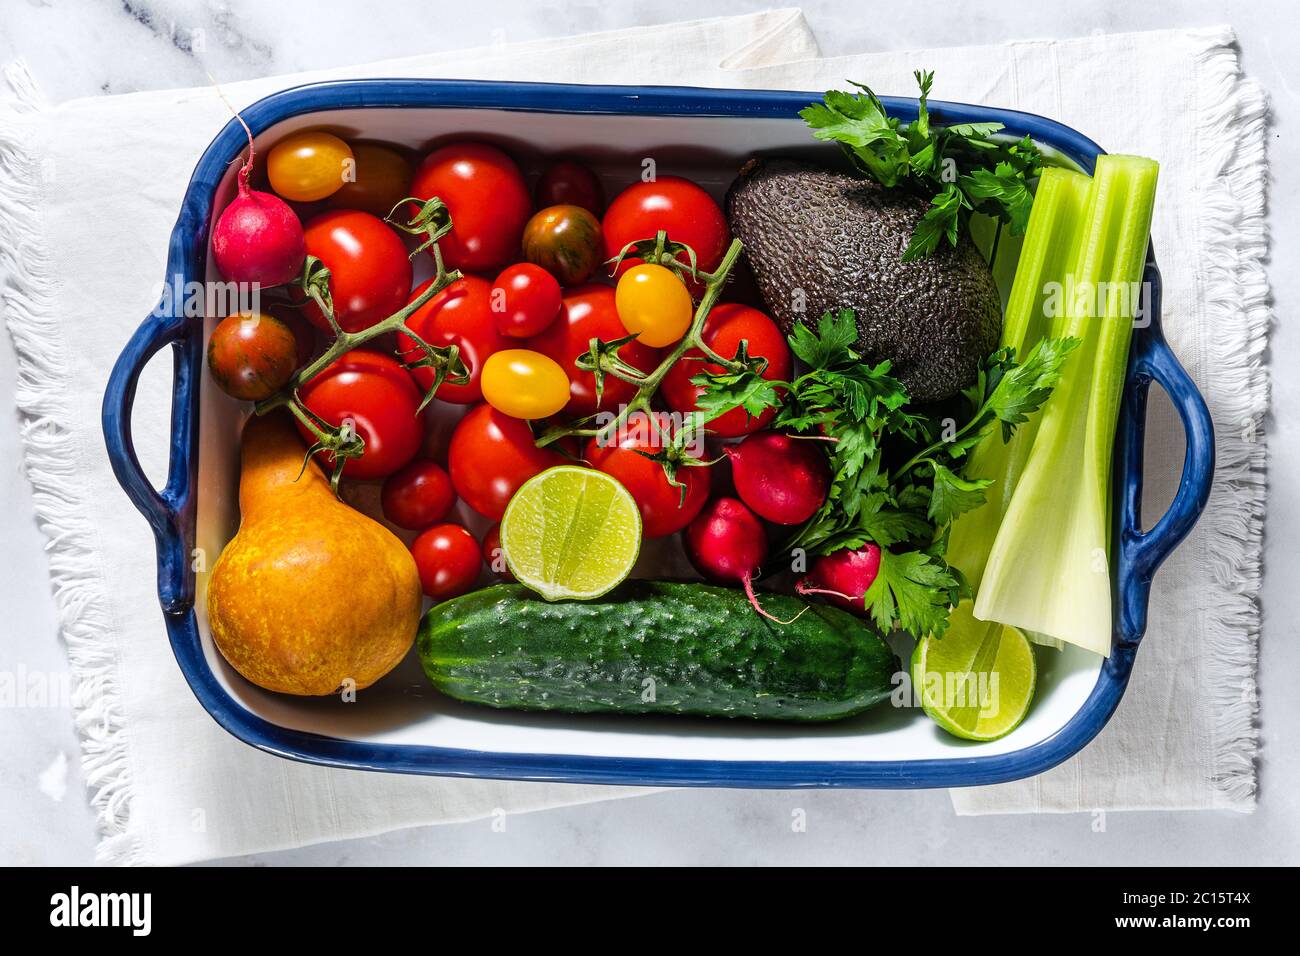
655	647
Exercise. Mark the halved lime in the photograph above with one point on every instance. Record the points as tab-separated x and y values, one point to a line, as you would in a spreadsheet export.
571	532
977	680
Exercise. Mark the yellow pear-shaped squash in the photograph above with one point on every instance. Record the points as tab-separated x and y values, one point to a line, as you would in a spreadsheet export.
310	594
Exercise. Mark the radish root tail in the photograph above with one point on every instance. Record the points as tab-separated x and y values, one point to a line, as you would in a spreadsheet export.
753	600
246	169
802	588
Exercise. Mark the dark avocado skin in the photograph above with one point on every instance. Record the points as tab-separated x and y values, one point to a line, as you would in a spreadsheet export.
827	240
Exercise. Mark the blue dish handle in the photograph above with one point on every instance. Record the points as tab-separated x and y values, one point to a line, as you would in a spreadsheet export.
1140	552
166	510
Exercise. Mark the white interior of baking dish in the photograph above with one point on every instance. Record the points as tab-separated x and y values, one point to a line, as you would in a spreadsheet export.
402	708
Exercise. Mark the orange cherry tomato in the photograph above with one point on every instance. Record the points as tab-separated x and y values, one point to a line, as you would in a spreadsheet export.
309	165
588	312
524	384
653	305
381	178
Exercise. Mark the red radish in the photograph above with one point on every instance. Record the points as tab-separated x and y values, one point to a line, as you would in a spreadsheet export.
257	238
843	577
784	479
727	544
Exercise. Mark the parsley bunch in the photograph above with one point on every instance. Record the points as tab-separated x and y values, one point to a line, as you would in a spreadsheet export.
908	508
960	168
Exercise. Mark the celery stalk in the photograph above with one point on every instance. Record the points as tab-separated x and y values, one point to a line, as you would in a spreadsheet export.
1046	259
1048	569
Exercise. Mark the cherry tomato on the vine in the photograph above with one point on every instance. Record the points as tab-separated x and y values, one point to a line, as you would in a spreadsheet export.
375	392
525	300
460	315
418	495
566	242
664	508
653	304
308	165
491	455
723	331
448	559
370	275
685	211
381	178
525	384
589	312
252	355
487	198
567	183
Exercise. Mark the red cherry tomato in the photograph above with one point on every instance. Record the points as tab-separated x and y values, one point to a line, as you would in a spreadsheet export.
487	198
723	331
588	312
447	558
377	394
491	455
663	507
461	315
418	495
572	184
370	276
685	211
493	556
525	300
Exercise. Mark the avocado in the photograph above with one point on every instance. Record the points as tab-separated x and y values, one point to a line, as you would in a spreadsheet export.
821	240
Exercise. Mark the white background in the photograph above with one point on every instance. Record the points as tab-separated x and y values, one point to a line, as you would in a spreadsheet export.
92	47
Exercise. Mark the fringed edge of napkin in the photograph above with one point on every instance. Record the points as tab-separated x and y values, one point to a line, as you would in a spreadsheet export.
1234	284
52	467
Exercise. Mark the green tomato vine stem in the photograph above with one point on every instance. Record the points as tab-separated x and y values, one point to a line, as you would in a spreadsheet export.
648	383
431	221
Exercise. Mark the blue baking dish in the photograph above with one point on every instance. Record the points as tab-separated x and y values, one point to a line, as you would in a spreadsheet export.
405	727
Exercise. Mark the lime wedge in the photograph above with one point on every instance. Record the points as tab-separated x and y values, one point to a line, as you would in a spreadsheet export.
571	532
977	680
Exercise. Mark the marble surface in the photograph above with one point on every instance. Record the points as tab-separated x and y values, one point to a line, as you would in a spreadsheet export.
93	47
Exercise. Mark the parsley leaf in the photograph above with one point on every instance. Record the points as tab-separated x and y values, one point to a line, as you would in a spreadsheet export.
1022	389
953	495
859	121
831	344
912	591
724	391
960	168
865	414
939	222
1002	192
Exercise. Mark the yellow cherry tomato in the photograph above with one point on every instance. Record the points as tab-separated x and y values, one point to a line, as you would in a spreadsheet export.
653	305
522	383
310	165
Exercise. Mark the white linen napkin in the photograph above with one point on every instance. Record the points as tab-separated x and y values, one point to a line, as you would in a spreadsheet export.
1184	736
89	194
